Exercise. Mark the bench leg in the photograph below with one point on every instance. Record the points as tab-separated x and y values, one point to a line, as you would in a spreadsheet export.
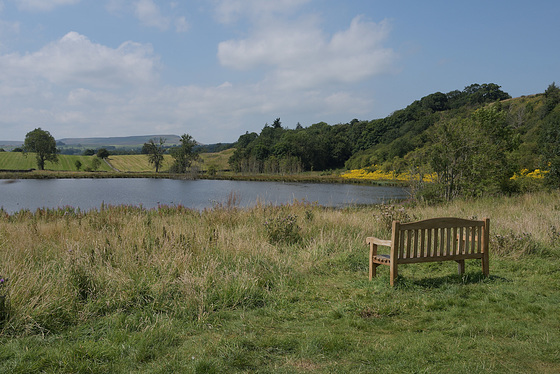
461	266
394	272
485	267
373	271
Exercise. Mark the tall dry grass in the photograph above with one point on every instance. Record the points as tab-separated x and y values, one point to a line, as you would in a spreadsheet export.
65	267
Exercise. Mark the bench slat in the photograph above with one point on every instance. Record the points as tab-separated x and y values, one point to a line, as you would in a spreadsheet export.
439	258
444	223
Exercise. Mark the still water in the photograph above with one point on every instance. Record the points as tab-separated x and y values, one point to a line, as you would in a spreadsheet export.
88	194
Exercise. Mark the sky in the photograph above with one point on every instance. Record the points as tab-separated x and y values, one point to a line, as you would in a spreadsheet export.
215	69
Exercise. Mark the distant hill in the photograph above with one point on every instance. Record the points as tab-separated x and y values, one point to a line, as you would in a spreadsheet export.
9	143
123	141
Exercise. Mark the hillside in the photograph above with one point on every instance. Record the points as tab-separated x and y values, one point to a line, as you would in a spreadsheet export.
124	141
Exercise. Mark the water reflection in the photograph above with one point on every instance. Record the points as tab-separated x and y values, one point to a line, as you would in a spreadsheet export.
89	194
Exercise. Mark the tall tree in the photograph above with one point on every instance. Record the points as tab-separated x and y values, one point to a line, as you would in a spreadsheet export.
550	149
470	156
184	154
155	152
102	153
42	143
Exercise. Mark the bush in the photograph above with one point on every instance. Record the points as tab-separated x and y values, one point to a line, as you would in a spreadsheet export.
515	245
283	229
390	213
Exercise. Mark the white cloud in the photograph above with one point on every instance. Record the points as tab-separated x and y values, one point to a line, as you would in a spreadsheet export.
43	5
228	11
74	60
301	56
181	25
150	15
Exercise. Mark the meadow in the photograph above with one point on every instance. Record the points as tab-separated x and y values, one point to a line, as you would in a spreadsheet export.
122	163
280	289
20	161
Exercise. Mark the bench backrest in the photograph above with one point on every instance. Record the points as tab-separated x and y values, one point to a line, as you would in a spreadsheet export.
439	238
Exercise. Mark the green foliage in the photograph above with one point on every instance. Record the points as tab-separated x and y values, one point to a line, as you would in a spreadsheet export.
102	153
95	163
155	152
281	150
43	144
551	99
183	154
78	164
550	148
390	213
283	229
470	156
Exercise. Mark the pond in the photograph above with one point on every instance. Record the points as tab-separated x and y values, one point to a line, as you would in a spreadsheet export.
88	194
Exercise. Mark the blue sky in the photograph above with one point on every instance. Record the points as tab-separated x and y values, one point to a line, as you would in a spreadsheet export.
215	69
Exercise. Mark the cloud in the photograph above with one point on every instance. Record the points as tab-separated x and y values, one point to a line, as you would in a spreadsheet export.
149	14
181	25
74	60
43	5
228	11
299	55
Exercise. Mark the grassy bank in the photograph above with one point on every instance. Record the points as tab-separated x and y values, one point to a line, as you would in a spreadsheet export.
274	289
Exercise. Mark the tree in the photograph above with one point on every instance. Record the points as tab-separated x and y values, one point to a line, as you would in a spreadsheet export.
551	99
78	164
102	153
42	143
550	149
95	163
470	156
183	154
277	124
155	152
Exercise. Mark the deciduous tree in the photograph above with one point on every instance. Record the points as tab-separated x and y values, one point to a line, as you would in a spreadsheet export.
43	144
155	152
184	154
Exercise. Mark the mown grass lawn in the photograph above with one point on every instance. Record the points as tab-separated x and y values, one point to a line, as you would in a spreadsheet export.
125	290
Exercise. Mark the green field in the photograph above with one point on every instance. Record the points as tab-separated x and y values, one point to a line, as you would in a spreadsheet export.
123	163
19	161
274	290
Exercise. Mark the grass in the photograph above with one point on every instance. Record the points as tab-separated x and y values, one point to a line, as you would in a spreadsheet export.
123	163
20	161
127	290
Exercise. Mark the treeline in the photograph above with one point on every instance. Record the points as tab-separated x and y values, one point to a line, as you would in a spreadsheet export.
321	146
473	140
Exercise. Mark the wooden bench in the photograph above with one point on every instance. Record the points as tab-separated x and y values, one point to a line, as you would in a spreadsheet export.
432	240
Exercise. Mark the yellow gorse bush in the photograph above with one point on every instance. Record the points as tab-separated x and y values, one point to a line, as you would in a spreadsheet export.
535	174
378	174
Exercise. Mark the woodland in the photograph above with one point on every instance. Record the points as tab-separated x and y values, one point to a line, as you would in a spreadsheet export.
474	140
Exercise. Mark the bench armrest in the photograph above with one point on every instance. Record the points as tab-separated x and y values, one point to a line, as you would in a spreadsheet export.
376	241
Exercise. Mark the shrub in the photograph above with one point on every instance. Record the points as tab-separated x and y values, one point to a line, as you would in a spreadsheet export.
515	245
390	213
283	229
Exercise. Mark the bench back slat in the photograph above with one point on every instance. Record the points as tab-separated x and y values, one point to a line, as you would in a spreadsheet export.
438	237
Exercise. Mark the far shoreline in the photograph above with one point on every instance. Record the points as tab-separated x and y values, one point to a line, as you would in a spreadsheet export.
309	177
